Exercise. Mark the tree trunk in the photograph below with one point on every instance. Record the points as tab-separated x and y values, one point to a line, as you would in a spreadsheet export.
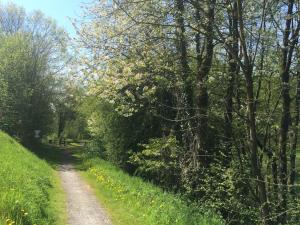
201	94
233	73
255	161
295	140
283	136
185	70
61	126
286	54
185	95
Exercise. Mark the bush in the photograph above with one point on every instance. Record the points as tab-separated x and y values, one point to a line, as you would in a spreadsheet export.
159	161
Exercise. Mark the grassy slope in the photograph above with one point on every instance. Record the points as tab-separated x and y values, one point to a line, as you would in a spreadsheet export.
30	192
129	199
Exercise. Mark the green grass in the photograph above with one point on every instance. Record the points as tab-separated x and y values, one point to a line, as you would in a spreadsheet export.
57	204
30	191
131	200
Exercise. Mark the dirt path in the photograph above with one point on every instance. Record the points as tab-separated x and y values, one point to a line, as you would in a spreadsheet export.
82	206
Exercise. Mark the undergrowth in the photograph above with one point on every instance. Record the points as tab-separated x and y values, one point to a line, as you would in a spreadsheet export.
130	199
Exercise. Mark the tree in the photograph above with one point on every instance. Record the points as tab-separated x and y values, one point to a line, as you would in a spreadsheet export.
32	53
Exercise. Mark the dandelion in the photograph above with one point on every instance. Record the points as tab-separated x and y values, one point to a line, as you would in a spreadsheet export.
10	222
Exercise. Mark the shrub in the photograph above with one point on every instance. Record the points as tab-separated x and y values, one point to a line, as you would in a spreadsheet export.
159	161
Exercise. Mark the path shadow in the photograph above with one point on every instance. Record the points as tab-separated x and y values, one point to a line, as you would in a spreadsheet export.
59	158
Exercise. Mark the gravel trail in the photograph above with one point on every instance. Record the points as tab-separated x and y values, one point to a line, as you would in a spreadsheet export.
82	206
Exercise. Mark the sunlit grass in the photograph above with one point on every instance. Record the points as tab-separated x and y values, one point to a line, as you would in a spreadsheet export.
131	200
29	188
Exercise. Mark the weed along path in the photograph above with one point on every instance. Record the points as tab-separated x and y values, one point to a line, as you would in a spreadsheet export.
82	206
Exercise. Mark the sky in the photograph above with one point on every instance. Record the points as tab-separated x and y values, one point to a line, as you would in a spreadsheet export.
59	10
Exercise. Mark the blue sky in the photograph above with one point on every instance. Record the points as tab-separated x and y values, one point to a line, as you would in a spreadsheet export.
60	10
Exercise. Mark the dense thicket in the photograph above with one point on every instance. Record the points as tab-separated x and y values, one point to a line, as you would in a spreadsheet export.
32	56
202	96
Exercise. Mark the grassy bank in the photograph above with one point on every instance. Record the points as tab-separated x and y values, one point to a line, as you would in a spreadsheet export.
30	192
131	200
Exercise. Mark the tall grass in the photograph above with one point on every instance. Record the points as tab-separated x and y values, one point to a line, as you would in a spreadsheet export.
131	200
28	186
